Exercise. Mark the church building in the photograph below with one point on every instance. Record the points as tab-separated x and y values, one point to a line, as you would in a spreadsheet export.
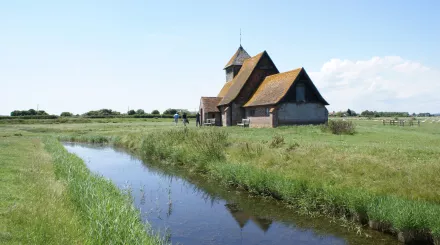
257	91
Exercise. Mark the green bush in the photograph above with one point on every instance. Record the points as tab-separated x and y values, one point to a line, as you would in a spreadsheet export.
340	127
66	114
131	112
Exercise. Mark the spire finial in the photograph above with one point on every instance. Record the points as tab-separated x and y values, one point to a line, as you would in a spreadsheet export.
240	37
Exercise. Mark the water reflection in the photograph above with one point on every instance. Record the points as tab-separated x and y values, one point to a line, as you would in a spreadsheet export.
242	217
192	210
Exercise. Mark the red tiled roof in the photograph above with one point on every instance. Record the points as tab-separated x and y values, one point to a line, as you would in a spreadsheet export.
209	104
240	79
238	58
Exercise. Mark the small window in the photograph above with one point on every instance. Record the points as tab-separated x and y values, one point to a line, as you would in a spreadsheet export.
267	112
300	92
252	112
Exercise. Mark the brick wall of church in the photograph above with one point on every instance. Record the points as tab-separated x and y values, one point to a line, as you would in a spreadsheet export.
262	117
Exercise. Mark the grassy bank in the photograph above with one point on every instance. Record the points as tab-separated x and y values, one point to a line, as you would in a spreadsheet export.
34	207
50	197
298	172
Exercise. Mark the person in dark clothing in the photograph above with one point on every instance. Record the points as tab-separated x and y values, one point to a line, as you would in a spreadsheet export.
185	120
198	120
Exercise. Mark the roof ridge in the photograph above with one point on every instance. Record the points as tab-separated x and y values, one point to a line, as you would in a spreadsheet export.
281	73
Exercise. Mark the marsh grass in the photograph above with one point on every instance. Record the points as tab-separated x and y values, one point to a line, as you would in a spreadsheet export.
108	213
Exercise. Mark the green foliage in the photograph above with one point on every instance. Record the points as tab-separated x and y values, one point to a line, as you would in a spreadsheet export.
368	113
30	112
140	112
170	111
66	114
131	112
340	127
102	113
24	119
155	112
351	113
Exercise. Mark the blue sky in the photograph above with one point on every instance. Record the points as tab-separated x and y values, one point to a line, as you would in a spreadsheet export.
84	55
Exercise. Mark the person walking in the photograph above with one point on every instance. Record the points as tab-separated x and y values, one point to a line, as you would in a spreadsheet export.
184	119
176	118
198	120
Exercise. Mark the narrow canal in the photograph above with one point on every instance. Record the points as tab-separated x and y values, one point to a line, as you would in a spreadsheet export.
189	209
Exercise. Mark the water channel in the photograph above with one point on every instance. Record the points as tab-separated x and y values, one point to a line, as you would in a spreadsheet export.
193	210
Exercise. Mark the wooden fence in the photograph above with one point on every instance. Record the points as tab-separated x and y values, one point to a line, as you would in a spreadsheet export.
402	122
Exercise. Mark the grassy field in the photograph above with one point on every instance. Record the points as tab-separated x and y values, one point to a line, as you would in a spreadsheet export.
386	174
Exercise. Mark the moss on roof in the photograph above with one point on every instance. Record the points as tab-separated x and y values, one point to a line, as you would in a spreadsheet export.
240	79
225	89
273	88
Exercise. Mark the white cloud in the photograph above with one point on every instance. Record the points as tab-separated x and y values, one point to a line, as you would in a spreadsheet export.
388	83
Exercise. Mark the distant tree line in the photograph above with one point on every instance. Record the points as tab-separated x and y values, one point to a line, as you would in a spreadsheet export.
102	113
30	112
142	112
367	113
139	113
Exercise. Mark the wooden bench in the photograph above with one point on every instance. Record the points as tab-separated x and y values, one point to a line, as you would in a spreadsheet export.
209	122
244	123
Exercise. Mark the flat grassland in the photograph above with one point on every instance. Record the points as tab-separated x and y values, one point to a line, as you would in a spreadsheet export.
382	173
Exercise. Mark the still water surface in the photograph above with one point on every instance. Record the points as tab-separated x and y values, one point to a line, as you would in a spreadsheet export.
193	210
